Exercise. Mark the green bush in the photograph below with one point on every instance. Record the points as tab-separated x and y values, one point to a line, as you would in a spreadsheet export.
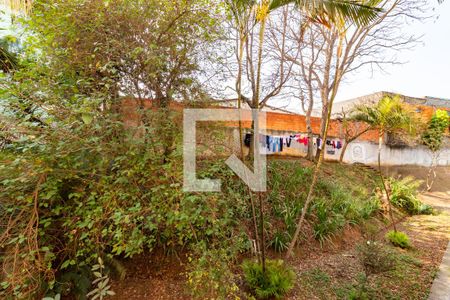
404	196
275	282
210	270
398	239
375	257
433	137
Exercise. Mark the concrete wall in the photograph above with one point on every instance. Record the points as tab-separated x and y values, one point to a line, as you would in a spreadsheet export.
367	153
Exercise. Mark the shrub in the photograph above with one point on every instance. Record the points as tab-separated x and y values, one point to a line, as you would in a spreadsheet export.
404	196
210	274
398	239
375	257
275	282
280	241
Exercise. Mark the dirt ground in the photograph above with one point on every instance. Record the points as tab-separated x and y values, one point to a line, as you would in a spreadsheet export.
332	271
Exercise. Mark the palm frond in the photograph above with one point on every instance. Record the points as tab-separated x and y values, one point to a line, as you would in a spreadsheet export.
388	115
360	12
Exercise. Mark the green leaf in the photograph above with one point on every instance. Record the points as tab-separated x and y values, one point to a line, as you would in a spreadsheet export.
87	118
97	274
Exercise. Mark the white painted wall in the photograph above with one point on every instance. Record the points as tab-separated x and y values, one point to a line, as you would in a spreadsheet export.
367	153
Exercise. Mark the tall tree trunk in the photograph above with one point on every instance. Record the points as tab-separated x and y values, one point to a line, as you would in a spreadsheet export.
263	246
256	106
242	39
380	143
239	90
323	130
310	151
431	177
344	149
311	191
328	107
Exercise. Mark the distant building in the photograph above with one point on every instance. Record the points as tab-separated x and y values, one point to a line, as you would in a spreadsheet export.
346	106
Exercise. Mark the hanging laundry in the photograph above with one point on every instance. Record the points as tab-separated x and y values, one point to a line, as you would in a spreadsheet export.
277	146
288	141
269	140
247	139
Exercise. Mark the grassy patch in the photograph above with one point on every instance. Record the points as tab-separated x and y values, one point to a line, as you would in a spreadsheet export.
312	279
398	239
405	279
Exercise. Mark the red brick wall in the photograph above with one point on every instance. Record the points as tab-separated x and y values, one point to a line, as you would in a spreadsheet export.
275	121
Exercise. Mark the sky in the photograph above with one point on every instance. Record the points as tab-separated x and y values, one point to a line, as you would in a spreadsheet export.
425	74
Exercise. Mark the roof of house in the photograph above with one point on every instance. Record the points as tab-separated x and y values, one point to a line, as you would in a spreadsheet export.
347	105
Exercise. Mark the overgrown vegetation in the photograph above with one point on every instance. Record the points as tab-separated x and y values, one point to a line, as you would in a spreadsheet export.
333	209
405	196
91	155
378	271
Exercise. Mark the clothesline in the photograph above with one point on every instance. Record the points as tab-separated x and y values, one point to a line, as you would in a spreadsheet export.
276	144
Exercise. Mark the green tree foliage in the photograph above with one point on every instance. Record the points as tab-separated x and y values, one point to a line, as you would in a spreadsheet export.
152	48
76	182
433	137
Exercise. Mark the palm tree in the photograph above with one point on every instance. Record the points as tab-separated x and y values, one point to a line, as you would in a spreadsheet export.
390	115
241	11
